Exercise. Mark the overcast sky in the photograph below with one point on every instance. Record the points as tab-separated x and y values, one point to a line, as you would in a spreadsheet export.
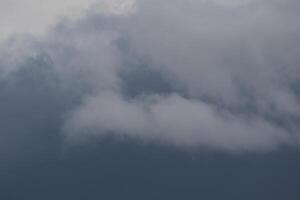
197	81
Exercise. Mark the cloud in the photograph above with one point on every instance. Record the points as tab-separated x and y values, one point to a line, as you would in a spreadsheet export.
184	122
213	74
36	16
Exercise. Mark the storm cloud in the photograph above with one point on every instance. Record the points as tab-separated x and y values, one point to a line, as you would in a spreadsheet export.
222	75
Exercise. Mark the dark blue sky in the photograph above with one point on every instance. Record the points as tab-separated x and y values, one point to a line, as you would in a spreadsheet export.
111	169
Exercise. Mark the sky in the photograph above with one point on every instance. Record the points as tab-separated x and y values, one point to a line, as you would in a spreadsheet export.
149	99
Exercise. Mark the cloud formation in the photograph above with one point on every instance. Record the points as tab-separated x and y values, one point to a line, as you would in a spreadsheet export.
214	74
37	16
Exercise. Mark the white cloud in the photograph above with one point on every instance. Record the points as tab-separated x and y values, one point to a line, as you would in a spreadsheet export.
36	16
173	119
117	7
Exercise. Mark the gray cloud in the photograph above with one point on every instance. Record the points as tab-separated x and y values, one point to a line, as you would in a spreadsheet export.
184	122
189	73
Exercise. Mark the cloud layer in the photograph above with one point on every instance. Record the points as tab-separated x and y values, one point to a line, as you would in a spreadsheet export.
214	74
